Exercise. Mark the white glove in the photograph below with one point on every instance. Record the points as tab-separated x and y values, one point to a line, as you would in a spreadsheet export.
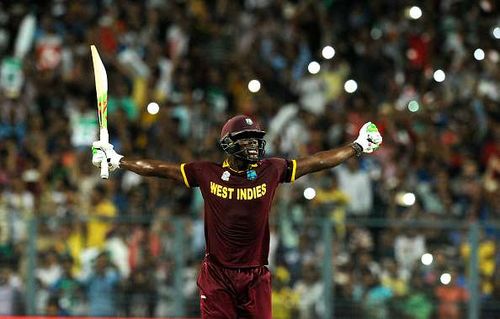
369	138
102	150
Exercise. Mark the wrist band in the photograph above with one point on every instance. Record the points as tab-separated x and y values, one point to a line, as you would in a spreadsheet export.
357	148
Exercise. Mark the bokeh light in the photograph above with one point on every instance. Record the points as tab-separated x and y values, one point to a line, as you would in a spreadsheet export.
328	52
309	193
415	13
439	75
350	86
427	259
479	54
445	278
313	67
254	86
496	32
413	106
153	108
409	199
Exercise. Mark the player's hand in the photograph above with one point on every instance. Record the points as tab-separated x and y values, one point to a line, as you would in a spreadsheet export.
102	151
369	138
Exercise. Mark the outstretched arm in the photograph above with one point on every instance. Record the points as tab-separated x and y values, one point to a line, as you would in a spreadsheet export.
156	168
323	160
144	167
369	139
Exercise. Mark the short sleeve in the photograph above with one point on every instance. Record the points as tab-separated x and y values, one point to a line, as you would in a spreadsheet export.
286	169
190	173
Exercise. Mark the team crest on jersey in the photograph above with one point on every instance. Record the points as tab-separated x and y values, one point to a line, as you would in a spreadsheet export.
225	176
249	121
251	175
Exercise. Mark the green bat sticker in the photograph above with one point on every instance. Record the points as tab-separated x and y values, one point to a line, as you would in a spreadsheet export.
372	128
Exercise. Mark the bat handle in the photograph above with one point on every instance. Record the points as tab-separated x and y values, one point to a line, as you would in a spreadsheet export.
104	169
104	138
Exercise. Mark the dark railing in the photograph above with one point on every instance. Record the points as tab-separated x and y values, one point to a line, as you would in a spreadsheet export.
334	304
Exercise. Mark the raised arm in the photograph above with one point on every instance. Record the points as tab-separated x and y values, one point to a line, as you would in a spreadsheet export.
323	160
156	168
144	167
369	139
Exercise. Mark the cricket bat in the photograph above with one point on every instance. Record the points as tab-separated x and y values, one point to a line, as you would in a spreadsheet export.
101	87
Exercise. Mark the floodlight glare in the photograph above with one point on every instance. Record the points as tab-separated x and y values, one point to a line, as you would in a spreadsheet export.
445	278
439	76
313	67
496	32
350	86
309	193
254	86
415	12
153	108
328	52
427	259
479	54
413	106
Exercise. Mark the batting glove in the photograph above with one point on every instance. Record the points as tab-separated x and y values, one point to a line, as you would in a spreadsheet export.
369	138
102	150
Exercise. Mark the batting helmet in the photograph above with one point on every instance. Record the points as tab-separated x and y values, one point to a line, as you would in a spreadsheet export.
242	127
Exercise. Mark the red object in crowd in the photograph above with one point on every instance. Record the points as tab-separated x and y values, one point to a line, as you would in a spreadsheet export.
48	52
490	150
419	47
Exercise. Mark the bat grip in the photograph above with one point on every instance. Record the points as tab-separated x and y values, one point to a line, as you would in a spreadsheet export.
104	169
104	138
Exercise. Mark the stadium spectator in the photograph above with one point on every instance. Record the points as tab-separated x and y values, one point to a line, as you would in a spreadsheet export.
409	246
100	217
451	299
310	291
357	185
102	287
10	295
285	300
66	294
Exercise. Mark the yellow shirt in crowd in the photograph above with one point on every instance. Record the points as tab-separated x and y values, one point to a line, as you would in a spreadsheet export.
100	223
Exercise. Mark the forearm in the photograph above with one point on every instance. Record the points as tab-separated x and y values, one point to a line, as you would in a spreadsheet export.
324	160
156	168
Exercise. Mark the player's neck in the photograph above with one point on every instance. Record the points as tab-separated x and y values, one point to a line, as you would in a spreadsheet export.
238	164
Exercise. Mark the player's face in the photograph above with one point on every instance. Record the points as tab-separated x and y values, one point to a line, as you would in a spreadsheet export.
250	147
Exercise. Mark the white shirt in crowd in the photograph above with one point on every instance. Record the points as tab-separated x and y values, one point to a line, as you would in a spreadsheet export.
356	184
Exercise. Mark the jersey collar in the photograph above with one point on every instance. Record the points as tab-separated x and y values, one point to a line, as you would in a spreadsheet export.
225	164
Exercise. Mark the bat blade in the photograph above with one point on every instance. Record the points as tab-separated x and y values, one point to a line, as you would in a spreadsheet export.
101	87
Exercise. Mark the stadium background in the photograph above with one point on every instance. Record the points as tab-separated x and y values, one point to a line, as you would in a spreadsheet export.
408	232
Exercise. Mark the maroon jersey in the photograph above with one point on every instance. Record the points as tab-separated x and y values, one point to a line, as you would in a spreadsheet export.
237	205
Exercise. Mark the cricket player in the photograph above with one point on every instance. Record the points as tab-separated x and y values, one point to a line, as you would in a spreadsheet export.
234	281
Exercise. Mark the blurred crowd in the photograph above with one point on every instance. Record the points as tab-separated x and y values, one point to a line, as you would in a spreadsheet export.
110	248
